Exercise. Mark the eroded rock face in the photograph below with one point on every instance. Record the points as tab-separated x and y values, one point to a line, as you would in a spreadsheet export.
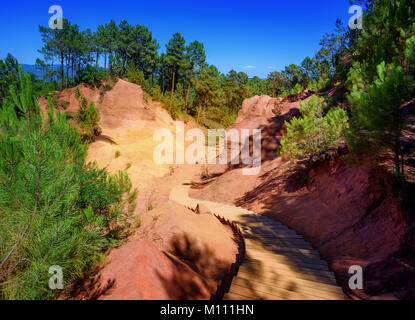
175	254
139	270
200	240
128	121
121	107
259	106
350	214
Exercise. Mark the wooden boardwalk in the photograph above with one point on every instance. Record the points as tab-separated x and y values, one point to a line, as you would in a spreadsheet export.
278	264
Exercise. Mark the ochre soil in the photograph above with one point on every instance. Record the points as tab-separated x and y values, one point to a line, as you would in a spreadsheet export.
174	253
352	215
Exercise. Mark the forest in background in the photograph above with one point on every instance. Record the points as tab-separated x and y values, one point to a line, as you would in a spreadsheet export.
47	191
179	76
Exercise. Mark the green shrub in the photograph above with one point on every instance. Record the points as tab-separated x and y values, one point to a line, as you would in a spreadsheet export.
54	210
137	221
313	107
313	134
377	121
155	93
104	193
136	76
93	76
87	118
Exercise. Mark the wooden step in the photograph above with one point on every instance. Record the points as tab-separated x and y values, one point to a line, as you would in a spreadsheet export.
298	268
291	240
279	242
279	263
275	231
272	234
272	270
275	288
287	258
235	296
282	248
249	226
254	292
287	281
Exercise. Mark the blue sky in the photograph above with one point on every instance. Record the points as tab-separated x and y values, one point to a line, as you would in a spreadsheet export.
253	36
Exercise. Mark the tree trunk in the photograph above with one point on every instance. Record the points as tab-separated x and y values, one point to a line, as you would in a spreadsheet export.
172	87
188	89
62	61
198	113
67	71
51	73
76	66
96	63
79	63
110	61
72	67
200	109
162	81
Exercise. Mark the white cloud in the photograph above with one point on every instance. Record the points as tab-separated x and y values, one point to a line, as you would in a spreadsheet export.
271	67
249	67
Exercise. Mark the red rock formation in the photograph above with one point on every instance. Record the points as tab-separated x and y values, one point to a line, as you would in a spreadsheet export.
352	215
139	270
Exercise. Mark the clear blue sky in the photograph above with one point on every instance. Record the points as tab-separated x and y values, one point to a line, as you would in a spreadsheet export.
255	36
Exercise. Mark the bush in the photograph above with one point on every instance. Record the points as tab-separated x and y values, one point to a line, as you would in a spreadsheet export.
87	118
54	210
156	93
313	134
93	76
104	193
378	123
136	76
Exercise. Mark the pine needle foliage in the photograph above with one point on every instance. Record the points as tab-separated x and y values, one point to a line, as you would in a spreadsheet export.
313	134
377	121
54	209
87	117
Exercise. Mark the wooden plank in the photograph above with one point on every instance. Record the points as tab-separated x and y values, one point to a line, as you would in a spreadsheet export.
270	236
289	283
235	296
287	258
290	291
277	232
280	242
313	257
252	293
279	263
299	269
260	293
283	231
260	267
282	248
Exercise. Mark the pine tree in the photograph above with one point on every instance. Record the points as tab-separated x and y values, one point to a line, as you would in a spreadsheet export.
313	134
54	210
196	57
377	122
175	54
